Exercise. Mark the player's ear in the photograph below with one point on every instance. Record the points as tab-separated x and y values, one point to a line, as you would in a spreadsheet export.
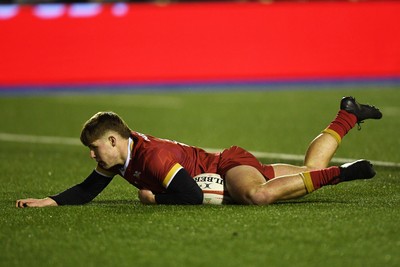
112	140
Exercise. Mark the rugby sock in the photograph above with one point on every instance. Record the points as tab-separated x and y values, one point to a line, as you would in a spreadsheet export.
319	178
341	125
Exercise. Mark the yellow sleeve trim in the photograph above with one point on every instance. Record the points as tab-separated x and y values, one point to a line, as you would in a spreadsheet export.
171	174
307	181
334	134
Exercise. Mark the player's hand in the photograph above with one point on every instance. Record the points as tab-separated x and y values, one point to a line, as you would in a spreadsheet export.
147	197
34	202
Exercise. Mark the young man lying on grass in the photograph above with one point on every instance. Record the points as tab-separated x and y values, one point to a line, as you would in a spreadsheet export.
163	170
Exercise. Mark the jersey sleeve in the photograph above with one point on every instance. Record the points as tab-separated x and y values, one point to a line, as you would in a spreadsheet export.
84	192
171	174
164	166
182	190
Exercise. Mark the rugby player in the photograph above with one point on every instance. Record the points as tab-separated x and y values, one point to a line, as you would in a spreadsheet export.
163	170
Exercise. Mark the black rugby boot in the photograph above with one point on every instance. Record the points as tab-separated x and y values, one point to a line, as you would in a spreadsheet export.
361	111
360	169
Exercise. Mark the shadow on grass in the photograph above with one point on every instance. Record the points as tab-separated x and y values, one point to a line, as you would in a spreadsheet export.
126	202
129	203
311	201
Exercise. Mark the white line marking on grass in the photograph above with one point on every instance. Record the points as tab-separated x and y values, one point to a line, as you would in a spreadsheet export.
294	157
35	139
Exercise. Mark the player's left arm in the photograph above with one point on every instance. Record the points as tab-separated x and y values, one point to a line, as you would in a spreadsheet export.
181	189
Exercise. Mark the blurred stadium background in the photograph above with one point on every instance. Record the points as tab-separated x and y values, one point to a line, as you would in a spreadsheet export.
47	44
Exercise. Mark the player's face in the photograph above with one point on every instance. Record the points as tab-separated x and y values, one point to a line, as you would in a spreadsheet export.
105	152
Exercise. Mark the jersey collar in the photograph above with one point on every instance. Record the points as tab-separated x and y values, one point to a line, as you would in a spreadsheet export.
128	158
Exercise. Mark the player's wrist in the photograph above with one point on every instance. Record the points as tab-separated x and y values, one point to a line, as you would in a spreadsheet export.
48	201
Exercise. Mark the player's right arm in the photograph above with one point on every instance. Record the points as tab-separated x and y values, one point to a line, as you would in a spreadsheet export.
77	195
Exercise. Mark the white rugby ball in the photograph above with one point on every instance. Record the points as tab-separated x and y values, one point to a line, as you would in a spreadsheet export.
213	187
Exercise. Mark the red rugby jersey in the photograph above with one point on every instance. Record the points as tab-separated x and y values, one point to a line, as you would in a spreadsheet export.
154	162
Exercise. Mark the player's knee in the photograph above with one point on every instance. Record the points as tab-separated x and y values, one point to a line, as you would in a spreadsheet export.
261	197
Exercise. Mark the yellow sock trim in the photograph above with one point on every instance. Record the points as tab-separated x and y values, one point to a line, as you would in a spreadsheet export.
307	181
334	134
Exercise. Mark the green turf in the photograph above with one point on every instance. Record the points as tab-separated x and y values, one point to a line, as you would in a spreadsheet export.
352	224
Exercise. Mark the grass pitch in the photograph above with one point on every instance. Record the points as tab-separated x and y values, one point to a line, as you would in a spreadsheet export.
352	224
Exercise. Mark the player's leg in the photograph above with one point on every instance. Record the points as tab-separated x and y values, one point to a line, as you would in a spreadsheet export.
322	148
282	169
320	151
318	156
247	185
